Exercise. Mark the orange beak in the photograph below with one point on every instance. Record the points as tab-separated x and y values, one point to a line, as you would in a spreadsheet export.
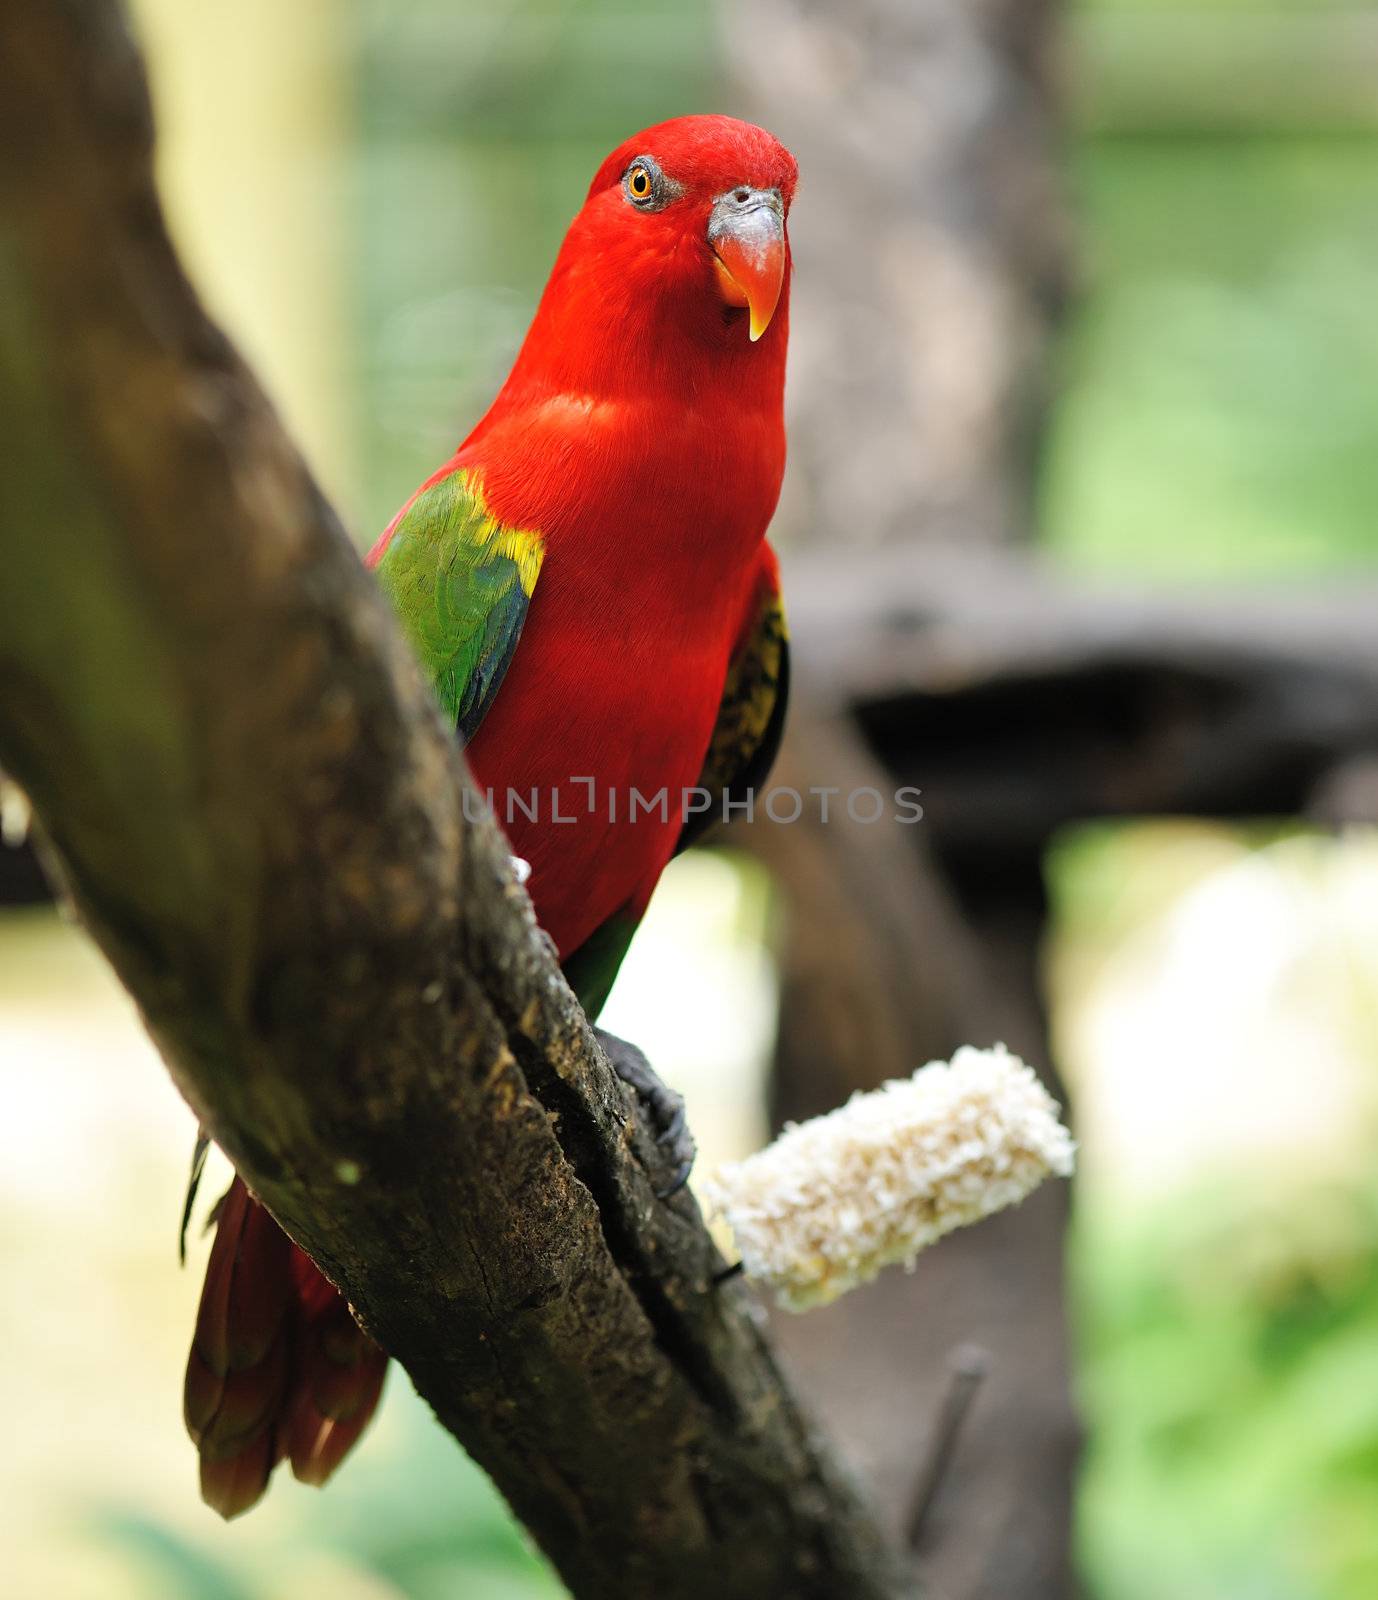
746	229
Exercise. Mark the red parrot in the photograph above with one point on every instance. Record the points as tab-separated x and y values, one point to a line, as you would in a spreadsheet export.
587	585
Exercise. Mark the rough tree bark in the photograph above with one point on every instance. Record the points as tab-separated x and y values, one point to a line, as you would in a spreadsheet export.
253	804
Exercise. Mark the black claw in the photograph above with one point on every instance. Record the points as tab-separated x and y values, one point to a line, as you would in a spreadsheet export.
679	1180
198	1166
663	1106
674	1129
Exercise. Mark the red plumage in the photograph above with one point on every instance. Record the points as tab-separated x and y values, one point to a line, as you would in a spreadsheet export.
641	434
278	1366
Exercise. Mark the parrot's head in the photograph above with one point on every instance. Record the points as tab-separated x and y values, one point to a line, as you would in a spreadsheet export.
680	251
692	214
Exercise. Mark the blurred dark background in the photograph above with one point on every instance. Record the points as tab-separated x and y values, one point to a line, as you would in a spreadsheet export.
1081	537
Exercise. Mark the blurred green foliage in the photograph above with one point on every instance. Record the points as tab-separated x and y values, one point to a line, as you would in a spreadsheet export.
1219	420
1229	1370
1219	414
1227	1326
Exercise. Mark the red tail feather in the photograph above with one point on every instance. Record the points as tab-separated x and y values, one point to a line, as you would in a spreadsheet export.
339	1380
278	1365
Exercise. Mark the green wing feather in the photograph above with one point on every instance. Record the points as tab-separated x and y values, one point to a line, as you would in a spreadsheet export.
461	583
591	969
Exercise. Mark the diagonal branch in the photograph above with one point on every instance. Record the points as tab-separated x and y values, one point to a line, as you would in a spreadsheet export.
254	805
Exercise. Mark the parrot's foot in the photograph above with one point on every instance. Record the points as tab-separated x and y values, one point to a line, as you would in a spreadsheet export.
664	1106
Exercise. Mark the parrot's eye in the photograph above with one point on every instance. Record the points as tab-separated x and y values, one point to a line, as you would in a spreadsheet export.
646	186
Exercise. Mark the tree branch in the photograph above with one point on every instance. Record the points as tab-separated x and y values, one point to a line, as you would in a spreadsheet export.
257	811
1020	701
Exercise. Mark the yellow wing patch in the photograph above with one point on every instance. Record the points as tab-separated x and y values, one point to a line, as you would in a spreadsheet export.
524	547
